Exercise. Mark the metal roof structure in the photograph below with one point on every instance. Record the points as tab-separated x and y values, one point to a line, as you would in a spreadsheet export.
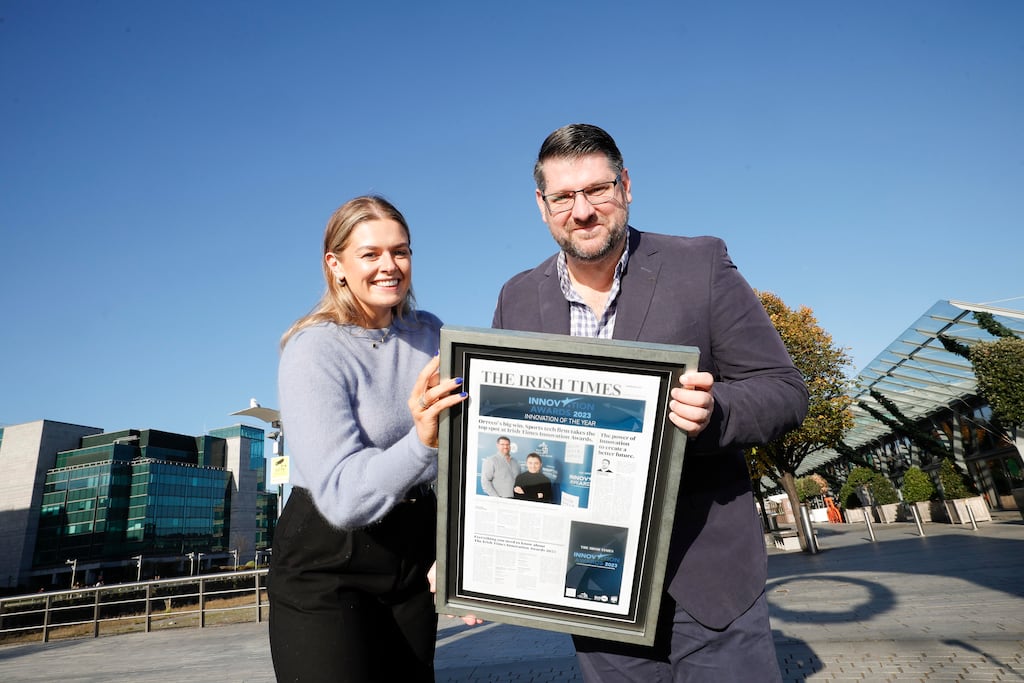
916	372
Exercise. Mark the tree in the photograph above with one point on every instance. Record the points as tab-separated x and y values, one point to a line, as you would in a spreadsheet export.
759	468
810	486
904	426
999	367
828	415
952	481
917	486
859	476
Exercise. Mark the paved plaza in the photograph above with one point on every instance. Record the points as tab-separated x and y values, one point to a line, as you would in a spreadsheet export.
945	607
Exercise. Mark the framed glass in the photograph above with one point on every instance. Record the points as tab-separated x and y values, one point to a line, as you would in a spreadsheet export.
577	542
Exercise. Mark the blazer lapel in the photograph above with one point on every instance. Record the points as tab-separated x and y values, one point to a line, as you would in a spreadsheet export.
554	309
637	289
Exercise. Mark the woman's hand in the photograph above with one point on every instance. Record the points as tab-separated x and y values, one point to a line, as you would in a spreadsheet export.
468	620
429	397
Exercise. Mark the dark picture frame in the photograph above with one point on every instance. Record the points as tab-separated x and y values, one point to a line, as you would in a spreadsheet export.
593	415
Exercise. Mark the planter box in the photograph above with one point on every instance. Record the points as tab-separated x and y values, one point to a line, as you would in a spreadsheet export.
854	515
956	510
887	513
927	510
1018	498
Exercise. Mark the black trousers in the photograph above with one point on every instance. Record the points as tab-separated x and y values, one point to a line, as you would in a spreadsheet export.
353	605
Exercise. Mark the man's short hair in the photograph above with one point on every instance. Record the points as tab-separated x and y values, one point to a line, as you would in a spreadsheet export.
503	438
534	455
572	142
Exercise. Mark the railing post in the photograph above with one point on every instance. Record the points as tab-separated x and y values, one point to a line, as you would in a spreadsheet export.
149	607
202	604
96	614
46	618
259	607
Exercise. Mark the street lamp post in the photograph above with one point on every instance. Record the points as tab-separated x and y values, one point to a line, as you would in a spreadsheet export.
138	564
74	568
234	553
199	564
191	563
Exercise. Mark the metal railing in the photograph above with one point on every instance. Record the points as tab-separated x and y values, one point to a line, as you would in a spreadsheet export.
209	599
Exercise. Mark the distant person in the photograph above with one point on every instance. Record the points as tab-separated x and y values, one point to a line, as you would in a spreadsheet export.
609	280
360	400
500	470
533	484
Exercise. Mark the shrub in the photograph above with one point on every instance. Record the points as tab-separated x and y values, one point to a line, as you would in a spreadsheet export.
917	486
811	486
952	482
848	493
882	489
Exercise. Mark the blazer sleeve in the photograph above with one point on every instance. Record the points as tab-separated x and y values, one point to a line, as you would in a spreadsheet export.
759	393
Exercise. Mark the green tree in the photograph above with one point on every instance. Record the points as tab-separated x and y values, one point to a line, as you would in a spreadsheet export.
882	490
917	486
952	481
858	477
810	486
828	416
904	426
999	367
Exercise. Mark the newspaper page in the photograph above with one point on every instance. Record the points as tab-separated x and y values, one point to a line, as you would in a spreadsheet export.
578	446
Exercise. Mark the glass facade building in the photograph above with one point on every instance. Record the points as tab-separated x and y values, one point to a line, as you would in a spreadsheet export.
153	494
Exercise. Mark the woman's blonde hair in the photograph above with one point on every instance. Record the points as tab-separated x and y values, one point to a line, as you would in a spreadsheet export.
337	304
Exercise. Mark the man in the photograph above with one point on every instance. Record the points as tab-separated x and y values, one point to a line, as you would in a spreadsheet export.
532	484
500	470
610	280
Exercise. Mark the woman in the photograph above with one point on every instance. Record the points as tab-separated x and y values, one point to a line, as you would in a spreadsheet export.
348	581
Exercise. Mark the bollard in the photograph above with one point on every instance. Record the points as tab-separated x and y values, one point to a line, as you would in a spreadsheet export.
970	513
805	522
867	520
917	518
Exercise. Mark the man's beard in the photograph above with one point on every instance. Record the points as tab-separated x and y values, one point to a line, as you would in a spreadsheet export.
616	235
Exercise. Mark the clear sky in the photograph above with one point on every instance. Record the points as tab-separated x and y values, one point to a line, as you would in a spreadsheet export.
167	168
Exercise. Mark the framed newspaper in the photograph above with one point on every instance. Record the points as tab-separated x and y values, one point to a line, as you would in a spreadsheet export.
557	481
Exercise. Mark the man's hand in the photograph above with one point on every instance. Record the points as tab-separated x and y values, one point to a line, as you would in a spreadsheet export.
692	404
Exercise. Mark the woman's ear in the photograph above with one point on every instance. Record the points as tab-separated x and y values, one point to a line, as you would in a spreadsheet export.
335	265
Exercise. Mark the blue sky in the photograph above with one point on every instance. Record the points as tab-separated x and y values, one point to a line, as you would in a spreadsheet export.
167	168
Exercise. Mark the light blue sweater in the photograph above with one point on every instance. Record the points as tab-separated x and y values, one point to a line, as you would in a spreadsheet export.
345	415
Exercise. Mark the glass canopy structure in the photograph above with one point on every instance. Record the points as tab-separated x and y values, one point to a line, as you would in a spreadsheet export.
916	372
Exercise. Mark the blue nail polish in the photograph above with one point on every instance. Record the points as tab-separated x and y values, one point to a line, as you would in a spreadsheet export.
463	394
458	380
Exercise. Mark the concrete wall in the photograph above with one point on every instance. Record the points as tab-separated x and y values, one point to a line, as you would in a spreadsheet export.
26	453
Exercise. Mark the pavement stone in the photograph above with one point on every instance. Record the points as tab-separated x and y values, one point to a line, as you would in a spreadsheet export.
948	606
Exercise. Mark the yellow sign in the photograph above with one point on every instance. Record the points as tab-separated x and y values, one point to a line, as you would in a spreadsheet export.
279	470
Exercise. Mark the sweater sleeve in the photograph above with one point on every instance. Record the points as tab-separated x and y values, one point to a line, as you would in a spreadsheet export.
353	482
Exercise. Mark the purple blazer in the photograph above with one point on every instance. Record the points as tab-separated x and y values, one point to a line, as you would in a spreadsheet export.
686	291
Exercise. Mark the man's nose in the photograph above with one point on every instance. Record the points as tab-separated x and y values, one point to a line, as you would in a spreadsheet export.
581	207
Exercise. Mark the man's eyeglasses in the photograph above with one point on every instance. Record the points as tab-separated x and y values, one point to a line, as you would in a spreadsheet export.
560	202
